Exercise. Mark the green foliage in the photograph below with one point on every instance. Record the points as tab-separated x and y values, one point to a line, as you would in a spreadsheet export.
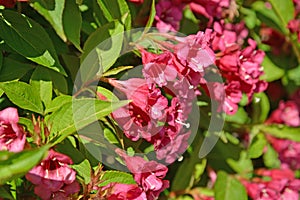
14	165
18	30
229	188
79	113
84	170
116	177
23	95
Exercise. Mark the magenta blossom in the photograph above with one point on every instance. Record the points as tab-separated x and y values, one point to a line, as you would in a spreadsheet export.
120	191
287	113
210	8
148	174
168	15
138	119
288	151
282	185
12	135
53	176
194	51
158	68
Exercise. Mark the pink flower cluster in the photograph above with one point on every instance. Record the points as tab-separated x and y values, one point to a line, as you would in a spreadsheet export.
273	185
241	68
53	177
169	13
177	73
12	135
148	175
288	113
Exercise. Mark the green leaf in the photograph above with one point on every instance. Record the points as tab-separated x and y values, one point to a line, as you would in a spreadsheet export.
116	9
48	4
189	23
199	169
23	95
272	71
293	75
5	194
116	177
117	70
107	93
243	166
152	15
72	22
59	82
260	107
29	39
18	164
108	41
1	60
42	84
83	169
281	131
270	157
228	188
13	70
72	63
27	123
240	117
110	136
82	112
53	16
58	102
185	172
267	16
284	10
257	146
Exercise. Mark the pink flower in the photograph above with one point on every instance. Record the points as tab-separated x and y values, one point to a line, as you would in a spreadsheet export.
168	15
120	191
158	69
194	51
282	185
139	118
148	174
294	27
287	113
209	8
53	176
242	70
12	135
288	151
137	1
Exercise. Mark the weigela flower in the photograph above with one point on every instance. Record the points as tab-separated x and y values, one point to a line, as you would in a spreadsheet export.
288	151
137	1
12	135
194	51
148	174
53	177
282	185
294	27
118	191
287	113
209	8
242	70
228	35
168	15
158	68
139	118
